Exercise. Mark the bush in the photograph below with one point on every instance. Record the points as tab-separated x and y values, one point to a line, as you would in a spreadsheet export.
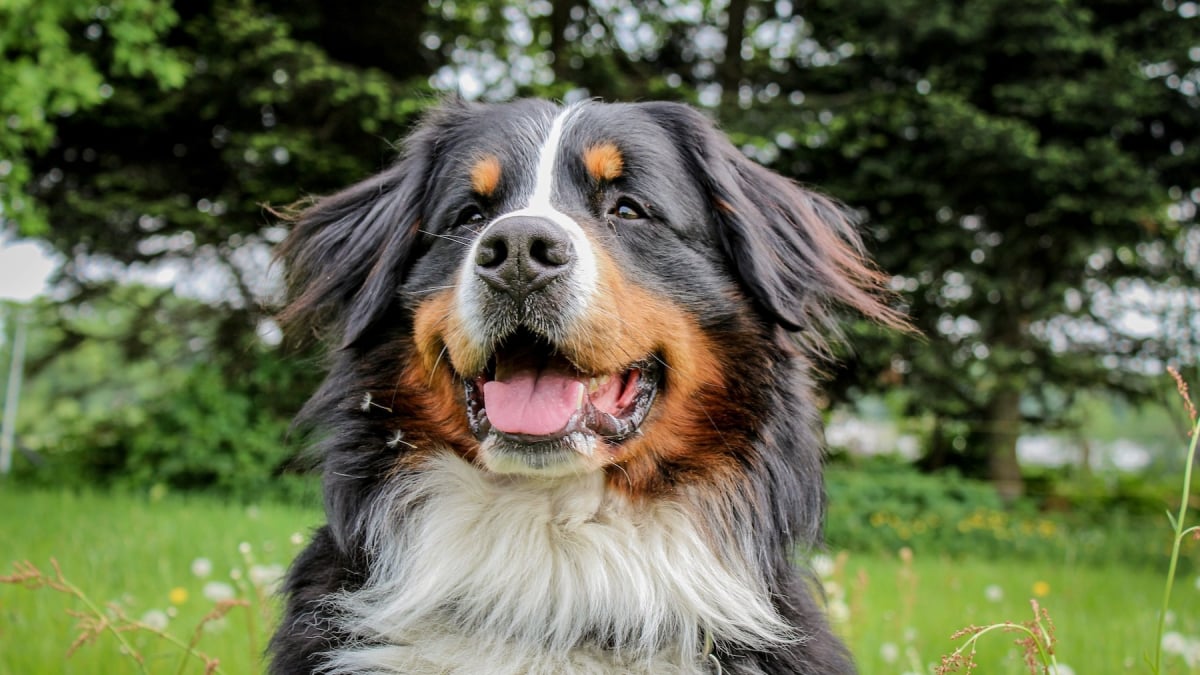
885	506
206	429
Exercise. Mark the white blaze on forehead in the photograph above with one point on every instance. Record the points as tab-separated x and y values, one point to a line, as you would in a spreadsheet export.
540	204
543	184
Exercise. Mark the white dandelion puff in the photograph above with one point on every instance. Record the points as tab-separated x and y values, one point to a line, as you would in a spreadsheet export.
201	567
993	593
216	591
823	565
266	576
155	619
839	611
1173	642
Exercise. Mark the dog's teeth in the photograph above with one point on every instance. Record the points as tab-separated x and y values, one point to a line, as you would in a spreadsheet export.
595	383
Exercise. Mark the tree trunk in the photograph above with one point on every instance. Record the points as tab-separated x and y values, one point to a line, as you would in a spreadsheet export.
1003	426
560	18
730	73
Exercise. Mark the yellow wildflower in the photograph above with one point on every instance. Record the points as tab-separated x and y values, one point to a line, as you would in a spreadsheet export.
178	595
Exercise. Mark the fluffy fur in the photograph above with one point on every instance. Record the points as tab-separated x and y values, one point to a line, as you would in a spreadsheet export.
631	256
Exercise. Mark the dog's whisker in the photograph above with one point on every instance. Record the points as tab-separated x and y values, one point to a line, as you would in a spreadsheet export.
458	240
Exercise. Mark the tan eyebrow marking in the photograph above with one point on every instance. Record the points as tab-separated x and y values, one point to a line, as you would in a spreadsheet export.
604	161
485	175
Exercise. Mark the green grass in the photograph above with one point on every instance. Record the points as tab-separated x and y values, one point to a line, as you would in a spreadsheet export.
136	550
1104	617
133	551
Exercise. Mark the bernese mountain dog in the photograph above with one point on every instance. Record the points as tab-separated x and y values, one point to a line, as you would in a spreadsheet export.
569	423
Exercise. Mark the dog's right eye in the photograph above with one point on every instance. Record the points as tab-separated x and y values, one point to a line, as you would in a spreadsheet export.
469	216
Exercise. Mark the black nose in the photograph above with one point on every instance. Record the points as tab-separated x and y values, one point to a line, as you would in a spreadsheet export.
522	254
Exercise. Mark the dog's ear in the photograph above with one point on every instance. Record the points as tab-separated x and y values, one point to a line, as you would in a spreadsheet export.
796	253
345	255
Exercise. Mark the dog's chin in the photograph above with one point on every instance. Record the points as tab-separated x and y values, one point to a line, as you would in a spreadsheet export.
570	455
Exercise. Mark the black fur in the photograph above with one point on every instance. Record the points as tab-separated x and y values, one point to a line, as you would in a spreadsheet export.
748	254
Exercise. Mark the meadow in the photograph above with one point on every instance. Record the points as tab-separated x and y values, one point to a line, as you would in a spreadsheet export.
162	559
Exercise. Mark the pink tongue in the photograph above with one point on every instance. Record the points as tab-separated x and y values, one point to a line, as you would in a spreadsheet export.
533	402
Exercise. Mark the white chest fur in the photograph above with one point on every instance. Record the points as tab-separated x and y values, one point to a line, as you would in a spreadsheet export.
477	573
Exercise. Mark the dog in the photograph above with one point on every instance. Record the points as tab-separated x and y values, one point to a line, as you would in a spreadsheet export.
569	423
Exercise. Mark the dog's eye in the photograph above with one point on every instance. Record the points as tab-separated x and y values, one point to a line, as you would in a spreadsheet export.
627	209
470	216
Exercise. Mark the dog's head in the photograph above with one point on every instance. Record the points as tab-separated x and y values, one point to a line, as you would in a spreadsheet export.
553	290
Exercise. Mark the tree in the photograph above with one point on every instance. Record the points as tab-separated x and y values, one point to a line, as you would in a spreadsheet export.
46	78
1018	163
206	113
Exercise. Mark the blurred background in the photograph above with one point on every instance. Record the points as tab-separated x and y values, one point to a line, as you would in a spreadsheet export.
1028	171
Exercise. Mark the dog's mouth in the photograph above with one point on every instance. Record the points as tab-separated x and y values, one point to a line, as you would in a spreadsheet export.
531	394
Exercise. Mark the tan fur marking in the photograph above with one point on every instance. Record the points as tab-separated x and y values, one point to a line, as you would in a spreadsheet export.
604	161
485	175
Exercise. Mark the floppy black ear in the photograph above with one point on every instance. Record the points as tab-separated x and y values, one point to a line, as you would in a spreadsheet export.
345	254
796	253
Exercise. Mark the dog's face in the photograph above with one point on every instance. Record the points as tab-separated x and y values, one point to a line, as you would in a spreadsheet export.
597	287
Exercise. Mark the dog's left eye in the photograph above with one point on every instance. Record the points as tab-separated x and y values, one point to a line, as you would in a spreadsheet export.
627	209
469	216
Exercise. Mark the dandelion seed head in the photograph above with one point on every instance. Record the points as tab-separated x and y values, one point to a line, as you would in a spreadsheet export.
172	611
839	611
297	539
155	619
993	593
1063	669
1174	642
822	565
216	591
201	567
266	576
889	652
244	548
1192	655
235	573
